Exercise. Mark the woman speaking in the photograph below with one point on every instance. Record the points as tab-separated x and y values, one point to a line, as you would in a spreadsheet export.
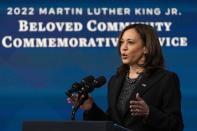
142	95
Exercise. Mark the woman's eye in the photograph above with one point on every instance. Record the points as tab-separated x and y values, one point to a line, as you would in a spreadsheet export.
121	42
131	42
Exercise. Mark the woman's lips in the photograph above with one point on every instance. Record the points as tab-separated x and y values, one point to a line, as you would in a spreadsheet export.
124	56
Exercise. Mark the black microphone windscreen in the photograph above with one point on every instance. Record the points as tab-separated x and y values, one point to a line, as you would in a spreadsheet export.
88	79
100	81
76	85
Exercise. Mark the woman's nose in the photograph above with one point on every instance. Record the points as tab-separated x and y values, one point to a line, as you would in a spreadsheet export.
124	46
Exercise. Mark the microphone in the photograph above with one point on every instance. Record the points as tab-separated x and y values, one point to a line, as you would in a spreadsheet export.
78	86
98	82
87	85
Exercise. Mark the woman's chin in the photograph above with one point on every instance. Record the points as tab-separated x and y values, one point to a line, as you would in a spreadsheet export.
125	62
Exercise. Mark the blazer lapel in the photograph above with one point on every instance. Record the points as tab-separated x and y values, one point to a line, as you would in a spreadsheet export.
115	92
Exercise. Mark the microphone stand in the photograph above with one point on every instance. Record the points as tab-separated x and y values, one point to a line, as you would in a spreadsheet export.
77	105
84	91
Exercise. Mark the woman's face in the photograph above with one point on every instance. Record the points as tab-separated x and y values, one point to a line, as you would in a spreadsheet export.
131	48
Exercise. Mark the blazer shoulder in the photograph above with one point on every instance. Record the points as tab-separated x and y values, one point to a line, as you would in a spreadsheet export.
169	73
116	78
165	73
168	77
112	79
160	75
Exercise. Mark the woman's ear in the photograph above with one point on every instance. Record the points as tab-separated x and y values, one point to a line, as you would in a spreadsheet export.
145	50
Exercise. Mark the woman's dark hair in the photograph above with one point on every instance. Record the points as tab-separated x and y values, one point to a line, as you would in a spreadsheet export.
153	58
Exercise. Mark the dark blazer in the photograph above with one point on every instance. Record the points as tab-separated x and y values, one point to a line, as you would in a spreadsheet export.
161	91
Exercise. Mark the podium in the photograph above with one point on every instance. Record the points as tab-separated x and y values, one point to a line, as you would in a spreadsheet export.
71	125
